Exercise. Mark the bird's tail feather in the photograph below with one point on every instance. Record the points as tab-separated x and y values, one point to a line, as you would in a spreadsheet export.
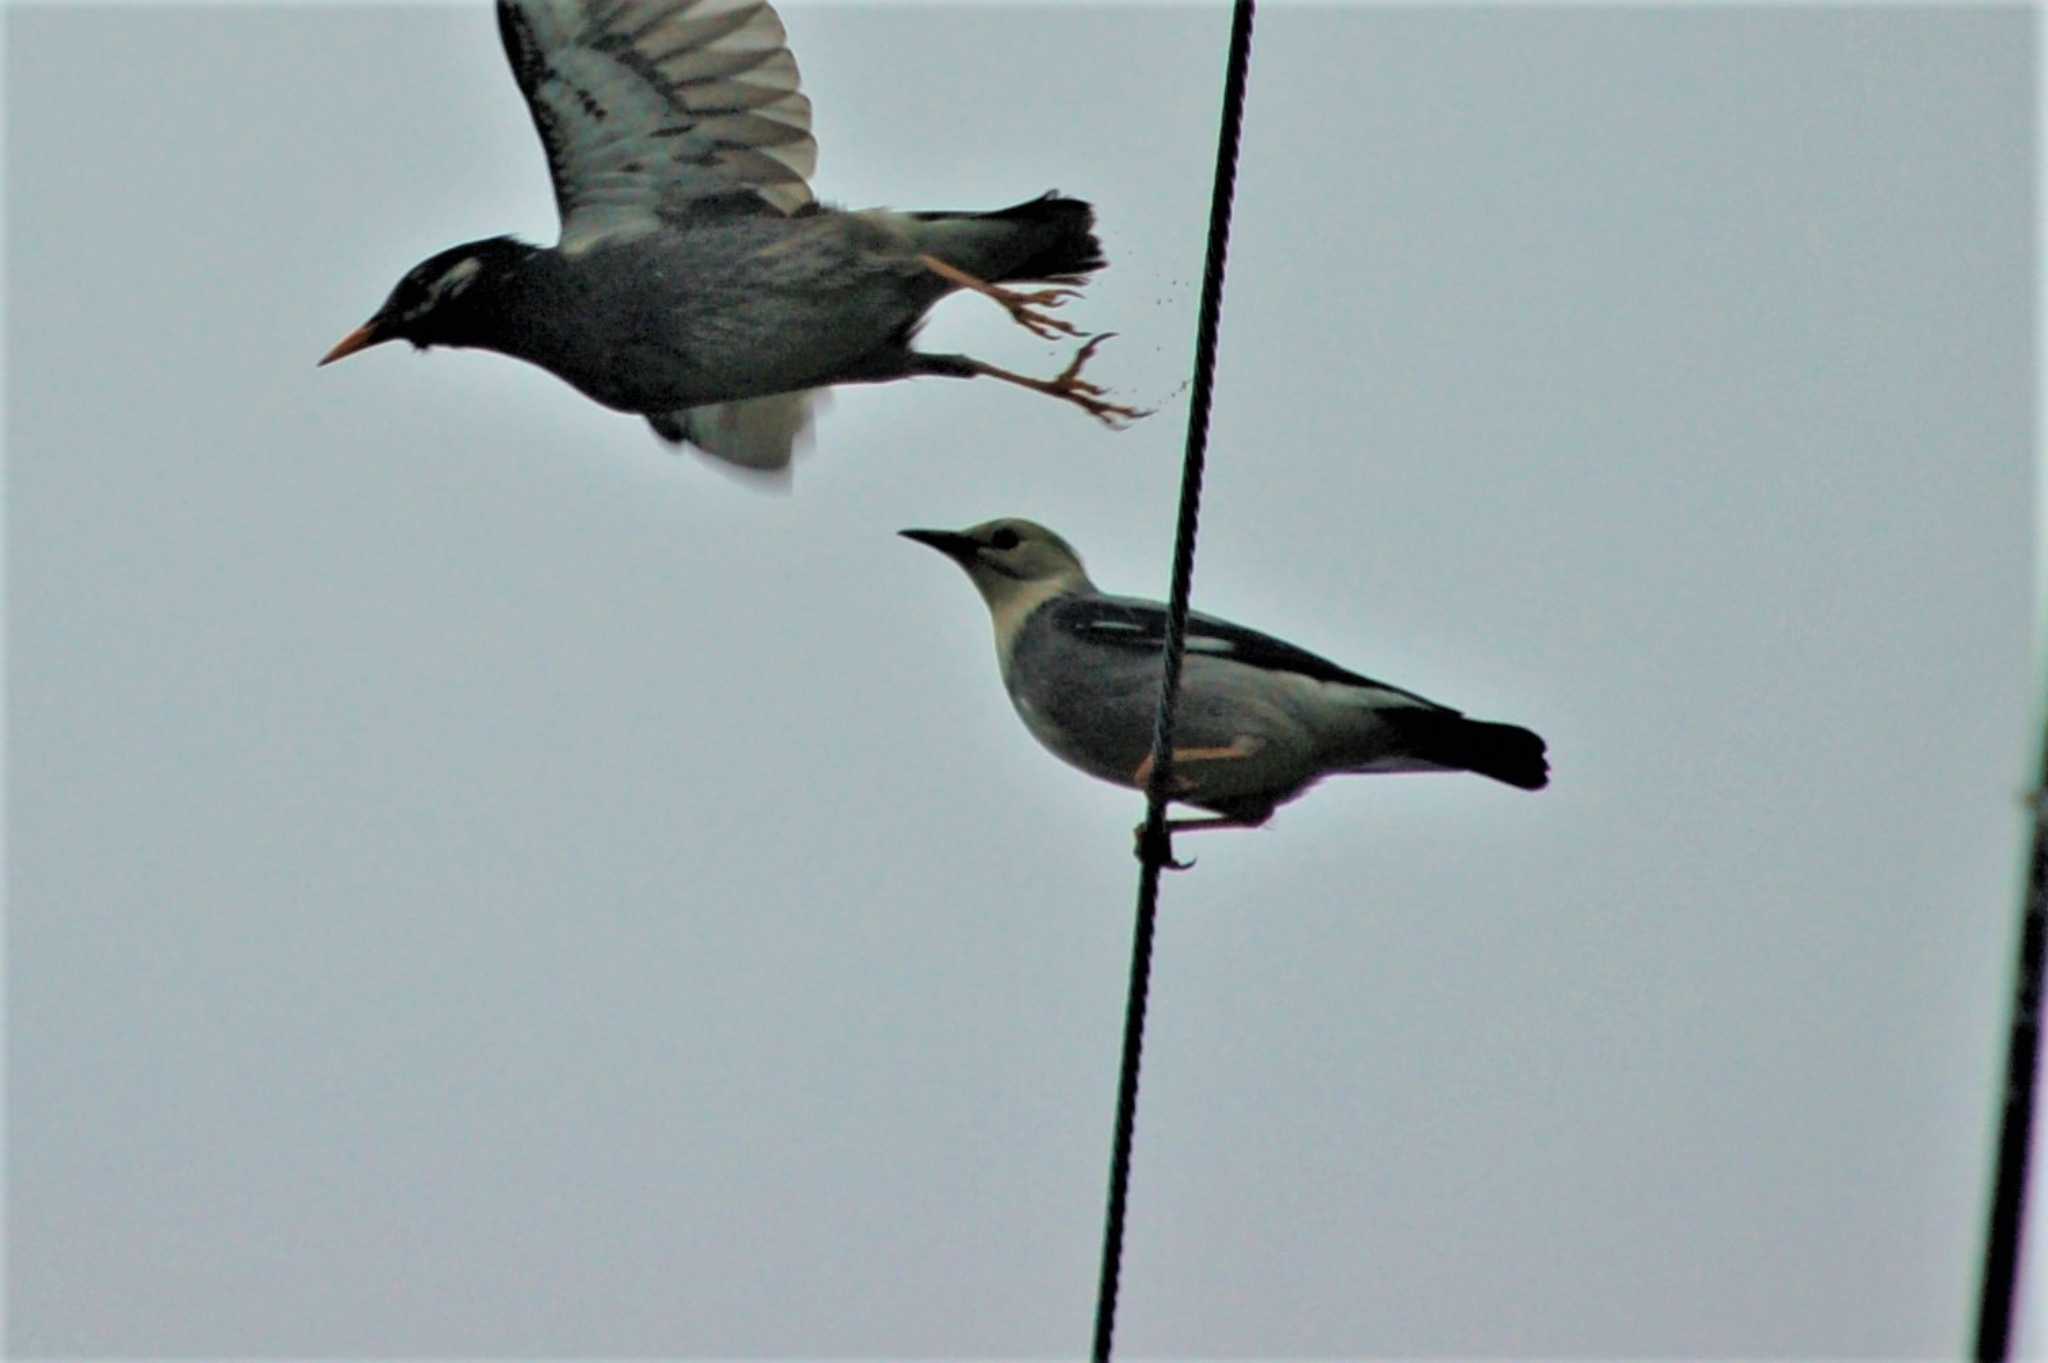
1506	752
1444	740
1048	238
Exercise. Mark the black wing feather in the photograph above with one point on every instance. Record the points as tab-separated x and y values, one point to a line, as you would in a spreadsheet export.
1130	623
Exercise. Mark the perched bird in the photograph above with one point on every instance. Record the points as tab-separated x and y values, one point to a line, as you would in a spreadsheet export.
697	282
1259	720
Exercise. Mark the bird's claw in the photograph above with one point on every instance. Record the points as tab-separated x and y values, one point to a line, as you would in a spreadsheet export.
1023	309
1067	385
1159	852
1090	397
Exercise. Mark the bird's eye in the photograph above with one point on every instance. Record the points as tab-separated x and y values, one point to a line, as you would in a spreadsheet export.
1004	539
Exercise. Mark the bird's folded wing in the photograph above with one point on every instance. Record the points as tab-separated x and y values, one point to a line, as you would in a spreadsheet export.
1130	623
660	109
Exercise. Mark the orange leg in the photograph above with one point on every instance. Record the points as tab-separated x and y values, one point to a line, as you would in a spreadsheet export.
1164	853
1069	386
1020	306
1200	825
1241	746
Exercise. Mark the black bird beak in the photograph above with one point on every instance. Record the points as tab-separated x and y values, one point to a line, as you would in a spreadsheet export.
960	548
362	338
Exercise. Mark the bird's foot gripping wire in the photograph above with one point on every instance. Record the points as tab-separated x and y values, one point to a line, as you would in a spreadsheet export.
1069	386
1157	851
1022	307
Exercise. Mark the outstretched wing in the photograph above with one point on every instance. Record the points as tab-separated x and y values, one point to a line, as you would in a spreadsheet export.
660	109
1130	623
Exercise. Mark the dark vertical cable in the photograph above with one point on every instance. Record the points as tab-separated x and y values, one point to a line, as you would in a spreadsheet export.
2022	1057
1156	845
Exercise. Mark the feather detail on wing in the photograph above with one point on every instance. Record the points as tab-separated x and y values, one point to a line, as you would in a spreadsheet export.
661	109
1127	622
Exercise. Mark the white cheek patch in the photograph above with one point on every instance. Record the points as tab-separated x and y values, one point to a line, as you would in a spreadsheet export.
452	281
458	278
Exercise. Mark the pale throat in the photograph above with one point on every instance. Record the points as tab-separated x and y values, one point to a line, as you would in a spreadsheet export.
1012	602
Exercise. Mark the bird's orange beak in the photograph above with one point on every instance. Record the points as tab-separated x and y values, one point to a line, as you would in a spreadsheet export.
362	338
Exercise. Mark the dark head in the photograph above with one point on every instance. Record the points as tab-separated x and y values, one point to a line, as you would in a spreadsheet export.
446	299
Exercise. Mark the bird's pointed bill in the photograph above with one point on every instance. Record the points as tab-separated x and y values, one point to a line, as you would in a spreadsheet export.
362	338
960	548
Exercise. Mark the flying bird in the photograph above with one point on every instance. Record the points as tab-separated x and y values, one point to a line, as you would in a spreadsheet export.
1259	720
697	282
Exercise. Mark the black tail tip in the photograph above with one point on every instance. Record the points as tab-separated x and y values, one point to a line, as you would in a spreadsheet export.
1508	753
1069	249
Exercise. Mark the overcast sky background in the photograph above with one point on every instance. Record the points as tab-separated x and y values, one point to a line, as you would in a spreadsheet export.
481	884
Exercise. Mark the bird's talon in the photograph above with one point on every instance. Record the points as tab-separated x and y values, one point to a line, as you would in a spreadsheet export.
1160	853
1019	304
1069	386
1113	415
1045	328
1042	298
1021	309
1071	374
1090	397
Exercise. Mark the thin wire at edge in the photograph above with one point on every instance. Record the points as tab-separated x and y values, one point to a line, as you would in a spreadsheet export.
2005	1224
1156	845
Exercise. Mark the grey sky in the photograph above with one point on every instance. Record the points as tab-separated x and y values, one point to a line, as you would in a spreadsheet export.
480	884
